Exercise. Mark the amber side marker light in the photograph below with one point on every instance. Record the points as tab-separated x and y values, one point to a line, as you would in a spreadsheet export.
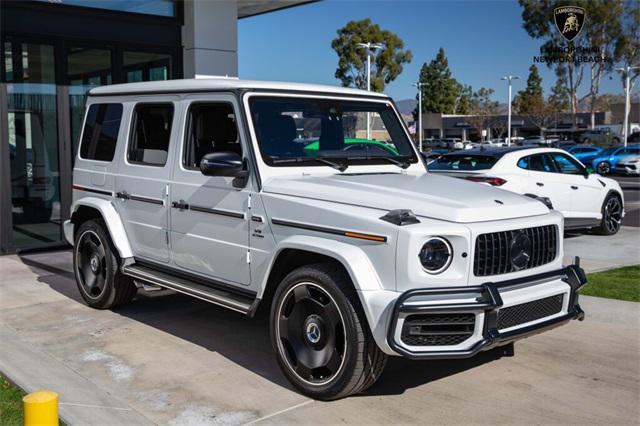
366	237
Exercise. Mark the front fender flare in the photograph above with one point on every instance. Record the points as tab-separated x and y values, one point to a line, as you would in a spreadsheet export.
111	219
354	259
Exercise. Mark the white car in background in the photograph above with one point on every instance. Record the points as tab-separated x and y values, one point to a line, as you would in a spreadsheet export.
629	165
586	200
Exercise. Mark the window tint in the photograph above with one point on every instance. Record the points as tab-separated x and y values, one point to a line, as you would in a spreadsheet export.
212	128
149	142
523	163
463	162
567	165
542	163
101	132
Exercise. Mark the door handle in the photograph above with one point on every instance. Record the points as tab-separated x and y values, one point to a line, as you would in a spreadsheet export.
539	183
180	205
574	187
124	195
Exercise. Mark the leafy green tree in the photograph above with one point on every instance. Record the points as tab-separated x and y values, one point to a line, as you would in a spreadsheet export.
481	109
464	98
440	90
528	99
559	97
602	29
628	48
386	65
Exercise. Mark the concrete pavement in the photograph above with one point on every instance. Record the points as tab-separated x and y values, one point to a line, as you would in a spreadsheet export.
598	252
168	358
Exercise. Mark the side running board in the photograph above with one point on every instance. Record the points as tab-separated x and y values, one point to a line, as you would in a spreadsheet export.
235	302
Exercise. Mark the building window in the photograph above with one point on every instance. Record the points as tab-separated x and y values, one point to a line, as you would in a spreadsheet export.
149	142
144	66
101	132
147	7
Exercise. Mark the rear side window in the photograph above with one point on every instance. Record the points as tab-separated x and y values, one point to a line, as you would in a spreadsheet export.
151	133
541	163
463	162
101	132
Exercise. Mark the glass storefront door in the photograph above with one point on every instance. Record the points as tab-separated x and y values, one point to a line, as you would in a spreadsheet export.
33	144
86	68
43	91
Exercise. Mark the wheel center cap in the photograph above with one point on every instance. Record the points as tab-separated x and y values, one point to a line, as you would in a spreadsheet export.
95	264
313	329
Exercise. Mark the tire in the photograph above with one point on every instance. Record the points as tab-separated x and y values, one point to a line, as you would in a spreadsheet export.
616	141
95	265
611	216
316	316
585	140
604	168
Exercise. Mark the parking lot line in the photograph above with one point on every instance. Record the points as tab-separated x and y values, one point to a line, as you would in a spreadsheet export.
277	413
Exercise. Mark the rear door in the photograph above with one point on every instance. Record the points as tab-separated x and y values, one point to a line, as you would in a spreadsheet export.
209	215
143	175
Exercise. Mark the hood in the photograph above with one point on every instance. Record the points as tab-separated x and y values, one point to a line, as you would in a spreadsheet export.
428	195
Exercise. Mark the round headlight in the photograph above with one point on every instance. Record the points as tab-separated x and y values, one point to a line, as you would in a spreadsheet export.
436	255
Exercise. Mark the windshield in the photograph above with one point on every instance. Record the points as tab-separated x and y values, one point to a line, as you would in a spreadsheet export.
463	162
302	132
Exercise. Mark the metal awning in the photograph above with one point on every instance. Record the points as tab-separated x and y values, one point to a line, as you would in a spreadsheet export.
247	8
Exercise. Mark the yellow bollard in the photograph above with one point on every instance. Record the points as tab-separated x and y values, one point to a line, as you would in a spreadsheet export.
41	408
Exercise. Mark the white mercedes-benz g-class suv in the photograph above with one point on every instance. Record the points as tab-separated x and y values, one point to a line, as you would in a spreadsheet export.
314	201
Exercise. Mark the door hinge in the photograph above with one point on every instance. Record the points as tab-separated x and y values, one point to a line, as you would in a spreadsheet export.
166	237
249	202
248	256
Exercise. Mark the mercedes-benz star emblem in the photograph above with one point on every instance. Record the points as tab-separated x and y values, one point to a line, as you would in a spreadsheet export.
520	250
313	332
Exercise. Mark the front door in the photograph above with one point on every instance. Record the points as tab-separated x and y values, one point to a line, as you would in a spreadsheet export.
585	188
209	215
545	181
142	184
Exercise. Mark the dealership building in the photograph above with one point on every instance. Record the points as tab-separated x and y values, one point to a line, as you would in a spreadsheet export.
54	51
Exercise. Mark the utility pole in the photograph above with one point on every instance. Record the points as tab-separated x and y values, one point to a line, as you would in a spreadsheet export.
371	47
627	100
419	86
509	78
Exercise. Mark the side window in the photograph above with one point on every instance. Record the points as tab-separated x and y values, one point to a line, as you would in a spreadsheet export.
523	163
211	128
542	163
567	165
149	142
100	133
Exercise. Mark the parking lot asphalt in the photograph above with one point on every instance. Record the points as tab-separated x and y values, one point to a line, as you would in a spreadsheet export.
168	358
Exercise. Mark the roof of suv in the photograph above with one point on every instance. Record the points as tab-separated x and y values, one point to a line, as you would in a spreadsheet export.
222	83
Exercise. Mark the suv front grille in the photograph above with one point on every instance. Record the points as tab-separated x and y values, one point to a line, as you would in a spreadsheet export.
530	311
492	251
437	329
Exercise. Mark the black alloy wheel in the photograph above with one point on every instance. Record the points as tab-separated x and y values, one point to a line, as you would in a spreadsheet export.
96	266
320	334
604	168
611	216
91	264
311	333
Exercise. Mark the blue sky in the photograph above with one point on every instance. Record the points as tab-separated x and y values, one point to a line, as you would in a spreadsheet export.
483	41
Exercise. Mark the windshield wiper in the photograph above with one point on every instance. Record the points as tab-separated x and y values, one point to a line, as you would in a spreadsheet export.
403	163
283	160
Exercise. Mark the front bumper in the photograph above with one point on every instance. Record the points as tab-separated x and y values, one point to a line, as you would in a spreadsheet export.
485	303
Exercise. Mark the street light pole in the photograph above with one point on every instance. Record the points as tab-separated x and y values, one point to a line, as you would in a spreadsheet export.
419	86
627	101
509	78
370	48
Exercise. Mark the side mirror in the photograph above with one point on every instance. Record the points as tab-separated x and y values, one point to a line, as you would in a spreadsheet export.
227	164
